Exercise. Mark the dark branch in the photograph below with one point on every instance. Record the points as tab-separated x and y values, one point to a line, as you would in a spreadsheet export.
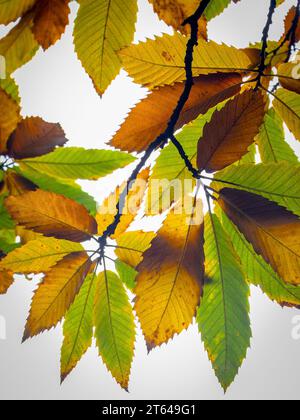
185	158
263	54
169	132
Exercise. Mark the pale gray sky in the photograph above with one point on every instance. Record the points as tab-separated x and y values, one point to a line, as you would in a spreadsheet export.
55	87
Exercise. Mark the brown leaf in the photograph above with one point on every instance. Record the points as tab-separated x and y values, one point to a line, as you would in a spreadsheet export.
150	117
289	21
231	131
273	231
50	20
9	118
34	137
286	75
170	279
52	215
175	12
56	293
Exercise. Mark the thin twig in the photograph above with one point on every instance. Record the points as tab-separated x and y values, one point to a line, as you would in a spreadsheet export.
171	127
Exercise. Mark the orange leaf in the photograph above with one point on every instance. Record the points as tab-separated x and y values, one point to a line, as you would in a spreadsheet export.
273	231
34	137
56	293
170	278
231	131
50	21
6	280
150	117
9	118
52	215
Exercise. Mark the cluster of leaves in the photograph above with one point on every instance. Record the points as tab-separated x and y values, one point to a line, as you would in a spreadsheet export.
216	114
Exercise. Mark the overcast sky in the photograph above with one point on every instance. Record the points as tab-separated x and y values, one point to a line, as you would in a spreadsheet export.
55	87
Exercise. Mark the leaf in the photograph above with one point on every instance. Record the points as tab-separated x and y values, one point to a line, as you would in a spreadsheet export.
150	117
108	211
170	167
10	10
160	61
6	221
61	186
11	88
271	141
63	219
287	73
56	293
115	329
78	163
287	106
50	20
9	118
132	245
170	278
17	185
223	317
289	21
272	230
175	12
34	137
109	25
78	327
6	280
215	8
258	272
276	182
18	46
231	131
38	256
127	274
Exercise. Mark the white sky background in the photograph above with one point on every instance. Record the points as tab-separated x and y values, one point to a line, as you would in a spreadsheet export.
55	87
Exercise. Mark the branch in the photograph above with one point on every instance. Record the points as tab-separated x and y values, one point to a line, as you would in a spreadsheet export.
185	158
265	37
171	127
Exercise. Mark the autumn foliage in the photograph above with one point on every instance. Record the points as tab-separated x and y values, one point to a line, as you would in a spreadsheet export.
214	115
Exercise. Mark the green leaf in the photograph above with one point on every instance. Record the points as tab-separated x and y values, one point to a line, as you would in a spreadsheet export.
11	88
78	327
215	8
6	221
223	317
60	186
258	272
127	274
279	182
109	25
115	329
271	141
78	163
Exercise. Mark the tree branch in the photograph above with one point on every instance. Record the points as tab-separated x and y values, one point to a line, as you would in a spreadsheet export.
265	37
171	127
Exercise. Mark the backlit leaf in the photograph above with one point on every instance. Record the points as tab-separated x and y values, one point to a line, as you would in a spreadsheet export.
63	219
170	278
132	245
56	293
287	106
273	231
115	329
223	317
10	10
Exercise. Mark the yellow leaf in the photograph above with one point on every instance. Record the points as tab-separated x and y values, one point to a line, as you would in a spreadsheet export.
56	293
287	106
6	280
107	212
161	61
38	256
19	46
101	29
170	278
10	10
132	245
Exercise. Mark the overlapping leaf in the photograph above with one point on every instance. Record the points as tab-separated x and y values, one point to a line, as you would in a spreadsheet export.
10	10
287	106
